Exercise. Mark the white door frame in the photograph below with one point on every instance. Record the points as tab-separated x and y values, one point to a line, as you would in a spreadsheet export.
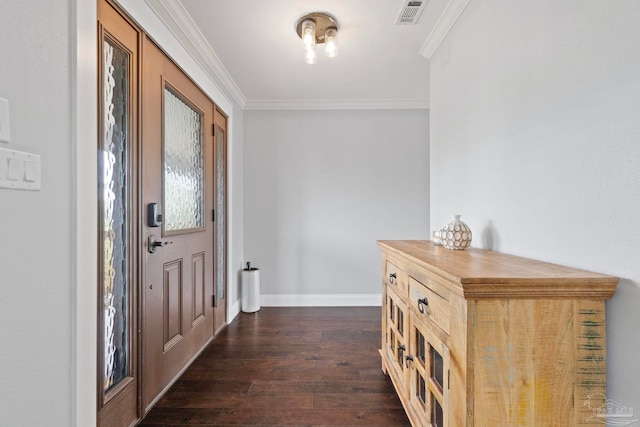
84	127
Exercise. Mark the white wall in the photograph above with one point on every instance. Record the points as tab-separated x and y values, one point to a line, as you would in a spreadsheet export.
36	227
535	140
320	188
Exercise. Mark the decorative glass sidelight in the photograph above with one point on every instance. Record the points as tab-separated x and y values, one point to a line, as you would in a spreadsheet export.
183	165
114	201
221	219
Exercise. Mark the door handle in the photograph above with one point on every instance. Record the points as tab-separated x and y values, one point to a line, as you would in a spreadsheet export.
153	243
407	360
422	303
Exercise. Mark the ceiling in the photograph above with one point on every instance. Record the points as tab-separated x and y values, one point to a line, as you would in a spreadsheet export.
256	43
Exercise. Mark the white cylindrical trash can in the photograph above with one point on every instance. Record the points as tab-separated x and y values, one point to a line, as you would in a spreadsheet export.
250	289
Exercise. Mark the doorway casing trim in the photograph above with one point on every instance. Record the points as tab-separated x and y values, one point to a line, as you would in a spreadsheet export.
84	268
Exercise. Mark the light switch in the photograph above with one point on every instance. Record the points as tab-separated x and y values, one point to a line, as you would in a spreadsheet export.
15	167
19	170
3	165
30	171
5	130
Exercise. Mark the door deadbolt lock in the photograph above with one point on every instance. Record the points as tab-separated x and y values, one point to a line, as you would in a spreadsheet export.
153	243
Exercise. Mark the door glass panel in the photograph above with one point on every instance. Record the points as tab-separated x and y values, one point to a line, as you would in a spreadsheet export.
400	356
421	389
220	216
183	165
420	347
437	367
437	415
114	239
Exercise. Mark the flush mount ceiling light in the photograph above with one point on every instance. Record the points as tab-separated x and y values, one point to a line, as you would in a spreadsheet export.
317	28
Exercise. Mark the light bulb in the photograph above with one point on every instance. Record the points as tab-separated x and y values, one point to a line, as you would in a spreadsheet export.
310	56
330	42
309	34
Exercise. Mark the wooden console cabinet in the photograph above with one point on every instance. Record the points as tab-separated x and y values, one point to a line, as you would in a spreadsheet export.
481	338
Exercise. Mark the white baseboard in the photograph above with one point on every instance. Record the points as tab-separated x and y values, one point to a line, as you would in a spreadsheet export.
321	300
233	309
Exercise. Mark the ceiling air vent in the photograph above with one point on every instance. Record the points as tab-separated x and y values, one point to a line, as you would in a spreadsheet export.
410	12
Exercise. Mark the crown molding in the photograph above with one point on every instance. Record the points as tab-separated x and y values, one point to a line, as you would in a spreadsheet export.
446	21
182	26
178	21
337	104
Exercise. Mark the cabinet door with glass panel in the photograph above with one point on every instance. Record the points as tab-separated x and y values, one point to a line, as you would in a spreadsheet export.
397	326
429	360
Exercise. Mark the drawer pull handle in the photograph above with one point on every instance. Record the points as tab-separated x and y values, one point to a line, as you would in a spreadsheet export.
422	303
408	359
392	278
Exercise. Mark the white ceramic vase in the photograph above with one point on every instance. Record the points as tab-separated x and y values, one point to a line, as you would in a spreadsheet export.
456	234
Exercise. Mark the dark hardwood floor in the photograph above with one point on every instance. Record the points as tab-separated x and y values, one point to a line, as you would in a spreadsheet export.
287	367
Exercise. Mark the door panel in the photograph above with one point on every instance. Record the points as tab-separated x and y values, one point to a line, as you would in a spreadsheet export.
172	313
220	309
118	220
198	297
178	175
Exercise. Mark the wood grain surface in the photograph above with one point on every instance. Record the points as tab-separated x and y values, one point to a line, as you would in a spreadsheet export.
287	367
524	340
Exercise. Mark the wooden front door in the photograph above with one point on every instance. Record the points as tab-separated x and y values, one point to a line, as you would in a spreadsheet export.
178	230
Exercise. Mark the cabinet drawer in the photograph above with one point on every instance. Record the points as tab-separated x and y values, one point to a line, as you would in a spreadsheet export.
427	303
396	278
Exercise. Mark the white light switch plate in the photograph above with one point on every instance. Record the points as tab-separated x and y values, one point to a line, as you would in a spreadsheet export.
5	129
19	170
